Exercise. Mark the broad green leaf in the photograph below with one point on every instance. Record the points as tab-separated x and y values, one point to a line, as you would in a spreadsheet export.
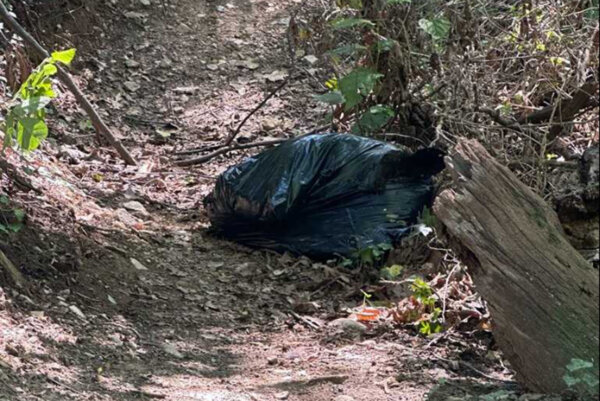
38	84
9	132
344	23
593	12
31	132
385	45
374	119
358	84
32	105
355	4
571	381
590	380
19	214
332	98
579	364
49	69
64	57
15	227
438	28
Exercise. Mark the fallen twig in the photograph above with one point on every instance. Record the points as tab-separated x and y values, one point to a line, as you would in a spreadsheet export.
60	384
306	321
143	393
222	151
260	105
63	75
13	273
334	379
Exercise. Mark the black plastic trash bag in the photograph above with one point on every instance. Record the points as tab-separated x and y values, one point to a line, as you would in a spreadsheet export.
323	195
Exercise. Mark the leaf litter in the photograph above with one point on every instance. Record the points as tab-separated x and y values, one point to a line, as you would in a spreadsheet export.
201	318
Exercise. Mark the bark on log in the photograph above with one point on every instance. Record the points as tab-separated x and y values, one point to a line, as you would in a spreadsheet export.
542	294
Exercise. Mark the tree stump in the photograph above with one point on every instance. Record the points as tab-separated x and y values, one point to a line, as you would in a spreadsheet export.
542	294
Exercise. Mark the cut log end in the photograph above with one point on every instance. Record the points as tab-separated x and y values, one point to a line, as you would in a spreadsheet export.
543	295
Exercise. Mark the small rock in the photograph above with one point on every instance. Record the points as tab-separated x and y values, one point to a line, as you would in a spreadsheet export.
146	3
276	76
221	9
245	137
349	327
136	206
138	265
171	350
186	90
111	300
135	15
131	63
131	86
72	156
269	124
165	63
249	64
212	67
77	312
216	264
344	398
310	59
37	314
283	396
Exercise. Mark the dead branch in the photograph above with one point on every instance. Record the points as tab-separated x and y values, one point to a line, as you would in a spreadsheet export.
260	105
101	128
13	273
222	151
583	98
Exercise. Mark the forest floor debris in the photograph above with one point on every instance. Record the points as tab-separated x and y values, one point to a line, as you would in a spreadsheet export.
131	299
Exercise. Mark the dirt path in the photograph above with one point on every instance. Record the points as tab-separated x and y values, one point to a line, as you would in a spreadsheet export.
193	318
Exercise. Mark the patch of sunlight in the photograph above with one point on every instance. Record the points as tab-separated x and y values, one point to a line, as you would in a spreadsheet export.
29	336
209	395
188	387
116	385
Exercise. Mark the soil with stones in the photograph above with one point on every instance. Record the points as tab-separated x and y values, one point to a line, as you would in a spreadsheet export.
130	298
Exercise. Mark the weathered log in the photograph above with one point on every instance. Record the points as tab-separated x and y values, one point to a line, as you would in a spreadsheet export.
542	294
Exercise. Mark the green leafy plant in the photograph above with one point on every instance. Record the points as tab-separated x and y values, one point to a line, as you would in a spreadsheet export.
430	322
371	255
373	119
345	23
366	298
438	28
427	218
12	218
358	84
25	123
392	272
581	377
